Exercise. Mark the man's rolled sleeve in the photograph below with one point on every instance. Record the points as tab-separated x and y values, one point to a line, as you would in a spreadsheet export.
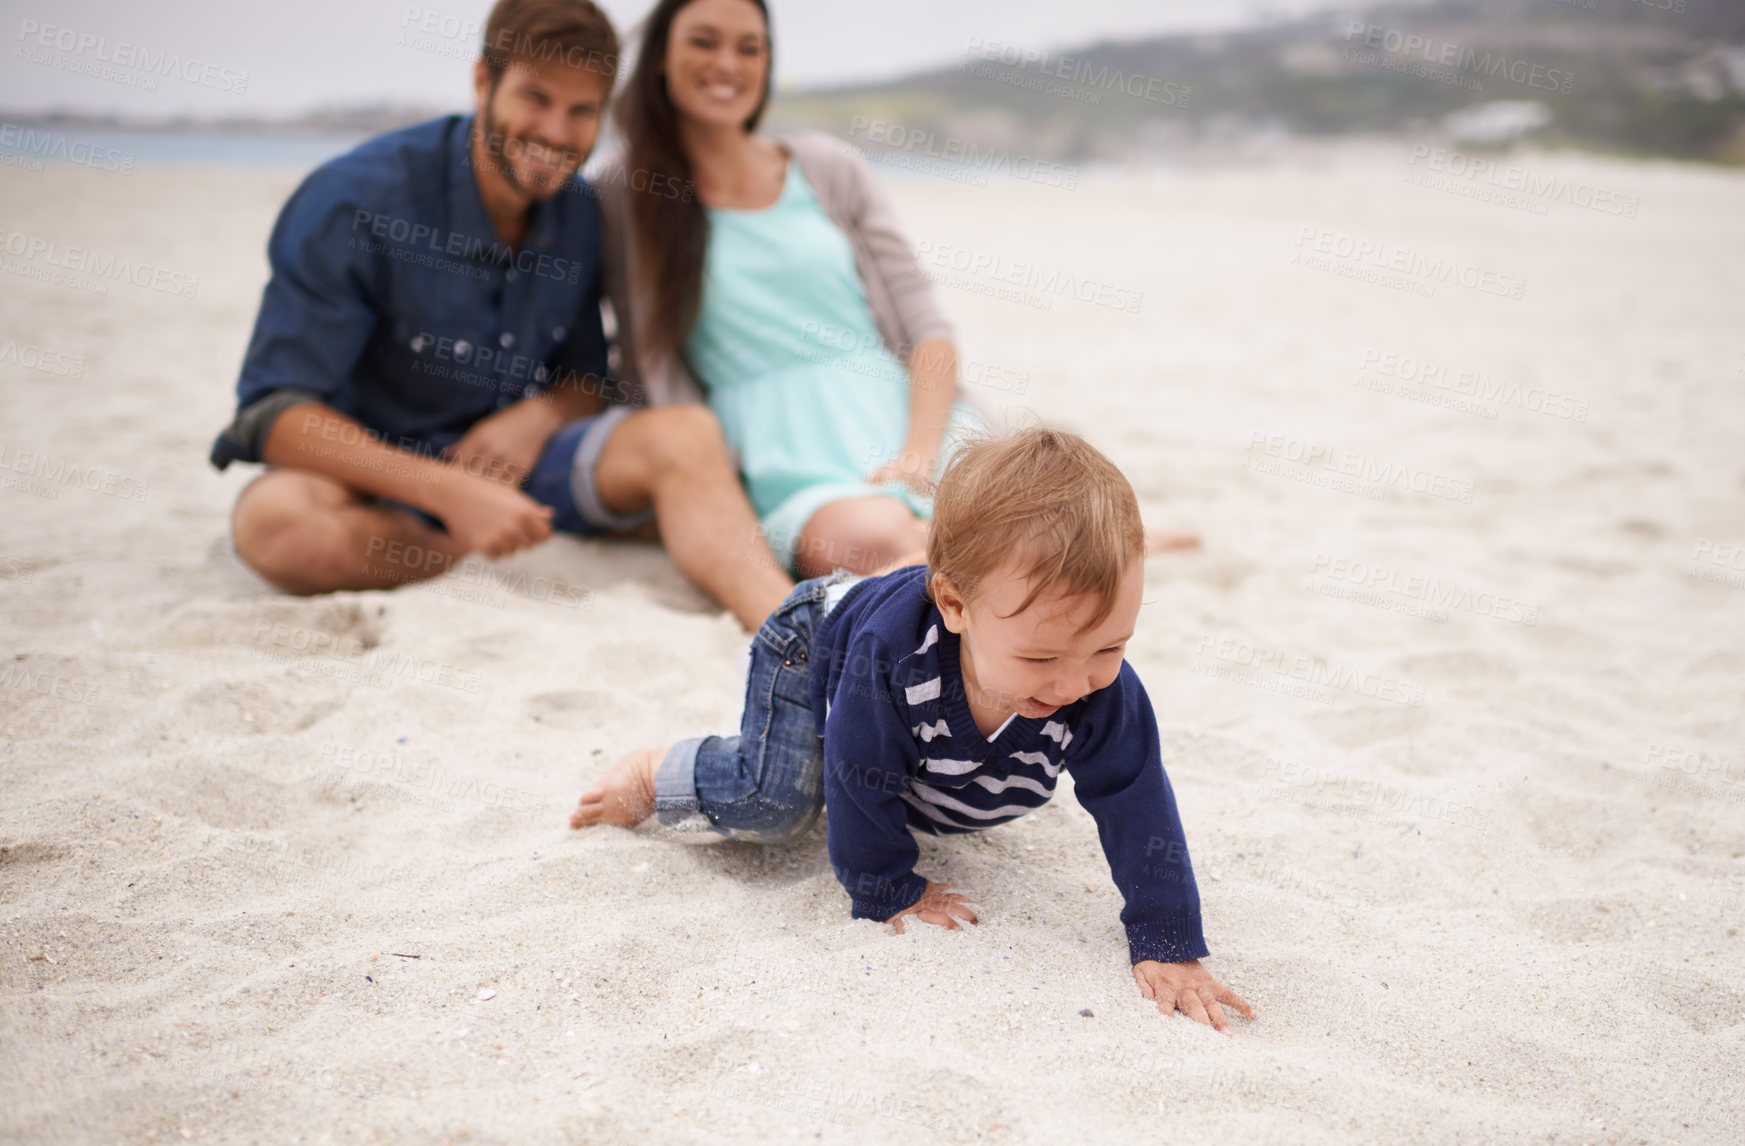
316	315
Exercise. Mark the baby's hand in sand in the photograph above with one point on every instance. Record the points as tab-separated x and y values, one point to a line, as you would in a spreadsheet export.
1190	988
938	904
624	796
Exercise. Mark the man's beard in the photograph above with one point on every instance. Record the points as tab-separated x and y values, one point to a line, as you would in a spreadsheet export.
506	165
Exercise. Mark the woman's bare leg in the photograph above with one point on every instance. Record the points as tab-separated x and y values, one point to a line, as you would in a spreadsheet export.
860	534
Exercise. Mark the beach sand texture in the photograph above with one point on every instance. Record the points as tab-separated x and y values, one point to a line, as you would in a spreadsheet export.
1453	701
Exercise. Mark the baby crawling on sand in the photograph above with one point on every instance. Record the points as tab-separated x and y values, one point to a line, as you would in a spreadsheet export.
946	698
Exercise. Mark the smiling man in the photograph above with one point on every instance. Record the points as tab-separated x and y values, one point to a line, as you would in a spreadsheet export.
428	370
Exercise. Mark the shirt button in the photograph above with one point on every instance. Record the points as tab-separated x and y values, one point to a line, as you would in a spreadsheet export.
418	343
558	333
510	274
506	340
462	348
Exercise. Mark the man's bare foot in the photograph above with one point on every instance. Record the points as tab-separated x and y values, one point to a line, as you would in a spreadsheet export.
624	796
1169	540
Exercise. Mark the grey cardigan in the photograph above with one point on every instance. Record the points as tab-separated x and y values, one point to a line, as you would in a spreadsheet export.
901	297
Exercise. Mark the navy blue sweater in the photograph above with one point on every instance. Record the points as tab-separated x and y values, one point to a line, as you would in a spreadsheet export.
902	753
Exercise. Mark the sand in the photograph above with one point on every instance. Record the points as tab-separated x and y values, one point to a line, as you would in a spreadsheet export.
1453	701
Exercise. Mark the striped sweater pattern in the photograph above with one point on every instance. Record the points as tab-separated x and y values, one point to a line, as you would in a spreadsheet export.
902	754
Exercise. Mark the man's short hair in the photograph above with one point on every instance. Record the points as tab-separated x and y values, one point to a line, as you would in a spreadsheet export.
1044	500
550	33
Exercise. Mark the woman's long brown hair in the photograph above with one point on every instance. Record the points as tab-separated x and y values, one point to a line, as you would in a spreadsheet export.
672	232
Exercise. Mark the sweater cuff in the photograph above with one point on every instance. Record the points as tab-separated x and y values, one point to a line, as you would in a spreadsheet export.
1173	940
882	899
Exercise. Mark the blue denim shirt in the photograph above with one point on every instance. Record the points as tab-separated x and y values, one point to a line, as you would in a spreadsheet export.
393	300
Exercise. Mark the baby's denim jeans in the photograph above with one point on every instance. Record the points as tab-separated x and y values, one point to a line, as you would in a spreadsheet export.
765	785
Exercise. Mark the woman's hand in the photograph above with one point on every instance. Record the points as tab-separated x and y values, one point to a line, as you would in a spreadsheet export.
932	390
910	468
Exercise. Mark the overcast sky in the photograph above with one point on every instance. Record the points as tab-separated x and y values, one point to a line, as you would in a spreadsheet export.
303	54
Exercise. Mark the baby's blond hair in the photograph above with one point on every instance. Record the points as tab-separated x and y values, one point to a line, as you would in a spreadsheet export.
1045	500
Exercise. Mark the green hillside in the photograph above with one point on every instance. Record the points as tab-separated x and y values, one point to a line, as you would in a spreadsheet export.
1622	75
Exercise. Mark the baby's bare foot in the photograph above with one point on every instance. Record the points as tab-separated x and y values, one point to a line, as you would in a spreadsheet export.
624	796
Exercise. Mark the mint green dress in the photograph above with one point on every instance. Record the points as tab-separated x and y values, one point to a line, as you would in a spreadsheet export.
786	348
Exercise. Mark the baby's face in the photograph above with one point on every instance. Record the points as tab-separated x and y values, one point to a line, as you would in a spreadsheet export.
1044	658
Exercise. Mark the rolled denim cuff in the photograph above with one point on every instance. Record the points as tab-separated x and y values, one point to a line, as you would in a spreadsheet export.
582	466
675	789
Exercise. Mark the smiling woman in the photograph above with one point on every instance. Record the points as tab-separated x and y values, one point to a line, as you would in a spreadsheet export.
782	292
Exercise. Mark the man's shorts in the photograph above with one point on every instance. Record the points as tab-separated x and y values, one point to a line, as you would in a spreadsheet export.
563	478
